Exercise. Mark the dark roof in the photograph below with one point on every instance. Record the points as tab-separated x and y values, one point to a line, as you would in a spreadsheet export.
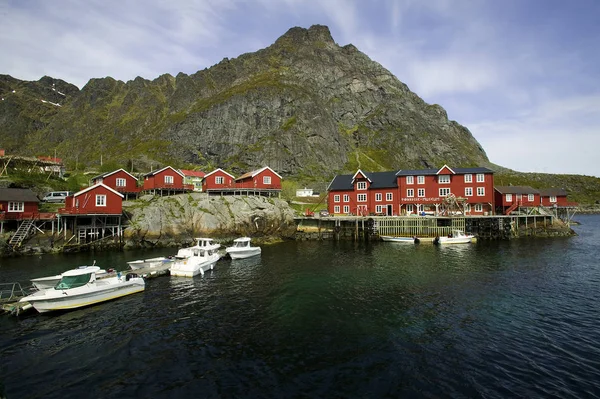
378	180
18	194
553	192
458	171
516	190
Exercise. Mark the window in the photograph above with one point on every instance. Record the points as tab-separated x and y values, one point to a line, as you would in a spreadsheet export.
444	191
478	208
409	208
508	197
219	180
361	185
336	209
410	192
480	177
378	197
444	179
168	179
121	182
16	206
346	208
100	200
468	191
552	199
420	179
410	180
266	179
378	209
480	191
468	208
469	178
346	198
361	197
530	197
336	198
421	192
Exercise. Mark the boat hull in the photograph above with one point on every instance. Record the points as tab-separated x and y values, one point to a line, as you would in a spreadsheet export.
243	254
189	268
148	263
406	240
53	300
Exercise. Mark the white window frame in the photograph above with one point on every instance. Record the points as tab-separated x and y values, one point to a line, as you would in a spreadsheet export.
16	206
508	198
266	179
444	179
346	198
480	177
389	196
346	209
553	198
336	198
361	185
530	197
219	180
478	208
336	209
120	182
420	179
469	178
481	191
421	192
361	197
410	180
468	191
378	209
467	207
444	191
410	192
100	199
378	197
169	179
409	208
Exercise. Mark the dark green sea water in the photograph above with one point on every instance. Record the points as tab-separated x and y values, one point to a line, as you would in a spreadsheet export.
326	320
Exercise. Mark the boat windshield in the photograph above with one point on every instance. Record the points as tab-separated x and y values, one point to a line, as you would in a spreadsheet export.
68	282
241	244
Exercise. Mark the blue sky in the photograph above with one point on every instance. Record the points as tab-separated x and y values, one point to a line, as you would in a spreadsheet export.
522	75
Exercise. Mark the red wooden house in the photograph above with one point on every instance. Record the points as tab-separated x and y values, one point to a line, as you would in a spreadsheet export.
510	198
165	181
17	203
120	181
551	197
405	192
97	199
261	179
218	181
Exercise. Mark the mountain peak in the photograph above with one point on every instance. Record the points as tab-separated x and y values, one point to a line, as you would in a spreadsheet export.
314	34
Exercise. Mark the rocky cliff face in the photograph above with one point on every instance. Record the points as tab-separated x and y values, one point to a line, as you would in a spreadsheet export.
305	106
178	219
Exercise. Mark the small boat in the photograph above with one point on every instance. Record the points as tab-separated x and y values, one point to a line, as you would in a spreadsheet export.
456	237
44	283
195	260
151	263
406	240
242	249
82	287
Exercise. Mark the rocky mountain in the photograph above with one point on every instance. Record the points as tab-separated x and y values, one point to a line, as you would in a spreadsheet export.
305	106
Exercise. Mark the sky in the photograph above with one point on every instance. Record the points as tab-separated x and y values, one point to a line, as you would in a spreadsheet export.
522	75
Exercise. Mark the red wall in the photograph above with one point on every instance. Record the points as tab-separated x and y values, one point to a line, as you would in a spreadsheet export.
158	180
29	208
257	181
209	181
111	181
86	203
560	201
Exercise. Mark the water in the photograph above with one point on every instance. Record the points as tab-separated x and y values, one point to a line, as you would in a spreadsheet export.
326	320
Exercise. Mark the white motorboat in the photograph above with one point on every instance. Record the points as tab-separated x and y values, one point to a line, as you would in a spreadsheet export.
242	249
82	287
405	240
195	260
456	237
152	263
44	283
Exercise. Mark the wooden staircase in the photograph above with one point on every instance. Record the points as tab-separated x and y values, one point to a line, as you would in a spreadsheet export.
514	206
21	233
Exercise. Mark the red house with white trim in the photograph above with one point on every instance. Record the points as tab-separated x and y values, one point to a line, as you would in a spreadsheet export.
261	179
217	181
443	191
97	199
551	197
119	180
509	198
17	203
165	181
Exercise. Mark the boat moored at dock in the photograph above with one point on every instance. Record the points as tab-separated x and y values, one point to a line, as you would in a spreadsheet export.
242	248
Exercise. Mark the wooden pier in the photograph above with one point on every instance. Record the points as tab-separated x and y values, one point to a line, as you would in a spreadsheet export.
497	227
